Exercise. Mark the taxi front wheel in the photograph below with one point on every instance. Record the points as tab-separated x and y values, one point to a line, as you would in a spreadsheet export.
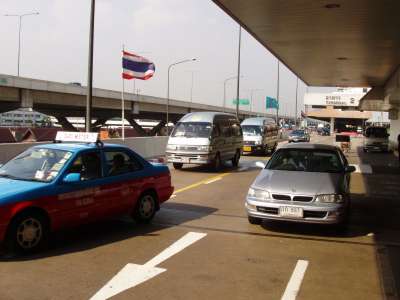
27	233
145	208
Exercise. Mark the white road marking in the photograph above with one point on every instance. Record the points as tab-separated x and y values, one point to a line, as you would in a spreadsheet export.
172	196
363	168
179	245
213	180
293	286
241	169
132	275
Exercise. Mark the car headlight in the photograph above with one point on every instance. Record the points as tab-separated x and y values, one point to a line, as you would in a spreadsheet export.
258	194
171	147
329	198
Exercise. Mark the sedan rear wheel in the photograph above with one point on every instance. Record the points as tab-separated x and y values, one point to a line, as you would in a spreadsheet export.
177	166
145	208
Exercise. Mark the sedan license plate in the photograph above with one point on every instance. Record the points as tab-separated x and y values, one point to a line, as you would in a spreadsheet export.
246	149
292	212
185	160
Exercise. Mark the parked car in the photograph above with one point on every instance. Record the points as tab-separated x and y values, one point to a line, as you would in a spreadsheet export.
259	135
299	135
304	182
59	185
205	138
324	131
376	139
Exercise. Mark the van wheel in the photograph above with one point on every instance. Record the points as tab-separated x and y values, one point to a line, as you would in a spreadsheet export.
236	158
273	149
254	220
217	162
177	166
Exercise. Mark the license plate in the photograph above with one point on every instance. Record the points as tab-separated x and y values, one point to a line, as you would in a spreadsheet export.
185	159
292	212
246	148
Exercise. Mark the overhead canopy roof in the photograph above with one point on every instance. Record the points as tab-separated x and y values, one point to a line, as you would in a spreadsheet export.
326	43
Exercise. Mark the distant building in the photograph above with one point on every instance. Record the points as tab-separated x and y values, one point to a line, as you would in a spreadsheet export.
23	118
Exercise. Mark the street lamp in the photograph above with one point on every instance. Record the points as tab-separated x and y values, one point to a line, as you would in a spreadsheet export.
225	81
251	97
19	33
169	70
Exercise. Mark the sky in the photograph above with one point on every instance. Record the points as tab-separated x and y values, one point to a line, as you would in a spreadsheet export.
55	47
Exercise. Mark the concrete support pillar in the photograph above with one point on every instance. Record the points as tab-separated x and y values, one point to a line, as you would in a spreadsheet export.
98	124
157	129
332	126
26	98
66	125
139	129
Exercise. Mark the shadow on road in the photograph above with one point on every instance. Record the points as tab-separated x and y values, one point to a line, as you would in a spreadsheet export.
105	232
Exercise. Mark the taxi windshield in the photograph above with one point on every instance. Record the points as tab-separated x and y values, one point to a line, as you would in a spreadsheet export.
192	129
251	129
36	164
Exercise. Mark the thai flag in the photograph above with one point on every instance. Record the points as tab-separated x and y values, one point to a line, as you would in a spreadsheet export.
135	66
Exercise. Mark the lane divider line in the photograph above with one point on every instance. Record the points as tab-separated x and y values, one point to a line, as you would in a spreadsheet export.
132	274
200	183
214	180
293	286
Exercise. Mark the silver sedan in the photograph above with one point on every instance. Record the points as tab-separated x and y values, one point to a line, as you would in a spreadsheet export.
302	183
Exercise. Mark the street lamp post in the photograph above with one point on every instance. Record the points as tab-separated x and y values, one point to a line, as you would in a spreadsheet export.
19	33
169	71
89	97
277	97
225	81
251	97
238	73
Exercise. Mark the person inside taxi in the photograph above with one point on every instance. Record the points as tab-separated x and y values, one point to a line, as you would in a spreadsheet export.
119	166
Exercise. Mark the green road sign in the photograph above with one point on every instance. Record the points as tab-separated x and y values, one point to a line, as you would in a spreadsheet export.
3	81
241	101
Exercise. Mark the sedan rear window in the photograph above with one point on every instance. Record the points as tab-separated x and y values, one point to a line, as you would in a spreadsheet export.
306	160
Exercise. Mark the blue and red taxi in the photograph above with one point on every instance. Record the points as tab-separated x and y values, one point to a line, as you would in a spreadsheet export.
53	186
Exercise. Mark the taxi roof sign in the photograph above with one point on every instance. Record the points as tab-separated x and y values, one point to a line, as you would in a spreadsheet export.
82	137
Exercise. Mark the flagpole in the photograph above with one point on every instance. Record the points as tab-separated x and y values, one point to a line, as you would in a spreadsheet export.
123	100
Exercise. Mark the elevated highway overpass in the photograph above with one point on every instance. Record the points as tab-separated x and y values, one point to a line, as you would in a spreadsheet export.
332	43
63	100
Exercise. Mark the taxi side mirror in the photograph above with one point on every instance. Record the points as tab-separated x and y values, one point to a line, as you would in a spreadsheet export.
72	178
349	169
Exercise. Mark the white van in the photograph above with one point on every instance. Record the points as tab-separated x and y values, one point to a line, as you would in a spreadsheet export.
259	135
205	138
376	139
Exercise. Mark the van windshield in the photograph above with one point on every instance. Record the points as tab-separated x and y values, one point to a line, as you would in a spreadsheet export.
192	129
377	132
251	129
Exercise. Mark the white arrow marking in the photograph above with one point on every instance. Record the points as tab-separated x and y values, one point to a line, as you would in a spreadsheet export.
293	286
132	274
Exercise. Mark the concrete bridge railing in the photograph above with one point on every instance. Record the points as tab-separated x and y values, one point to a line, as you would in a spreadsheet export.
148	147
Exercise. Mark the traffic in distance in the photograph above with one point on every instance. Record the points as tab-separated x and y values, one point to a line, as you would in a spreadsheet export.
78	179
